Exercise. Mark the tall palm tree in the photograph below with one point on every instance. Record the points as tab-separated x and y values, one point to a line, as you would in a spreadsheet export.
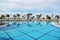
18	15
29	15
48	17
7	15
3	17
1	21
28	18
14	16
32	18
57	17
39	16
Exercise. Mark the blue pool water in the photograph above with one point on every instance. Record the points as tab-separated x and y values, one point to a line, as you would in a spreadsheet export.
30	31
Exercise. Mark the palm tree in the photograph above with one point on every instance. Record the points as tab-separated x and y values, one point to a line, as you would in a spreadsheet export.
38	19
28	16
1	21
32	18
18	15
57	17
48	17
3	17
39	16
14	16
7	15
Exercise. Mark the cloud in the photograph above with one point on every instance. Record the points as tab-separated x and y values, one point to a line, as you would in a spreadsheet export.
30	6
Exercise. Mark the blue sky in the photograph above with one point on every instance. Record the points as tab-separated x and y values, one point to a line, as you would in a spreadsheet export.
30	6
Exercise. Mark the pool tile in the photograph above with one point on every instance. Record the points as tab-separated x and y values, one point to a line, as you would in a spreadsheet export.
44	30
31	25
34	28
3	36
47	27
14	33
46	37
20	28
24	37
35	34
22	25
55	33
26	30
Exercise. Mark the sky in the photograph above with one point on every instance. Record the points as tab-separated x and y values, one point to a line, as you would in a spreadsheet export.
30	6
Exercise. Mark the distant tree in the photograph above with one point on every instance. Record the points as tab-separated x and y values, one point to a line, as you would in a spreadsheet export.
14	16
7	15
39	16
32	17
2	16
48	17
18	15
57	17
28	15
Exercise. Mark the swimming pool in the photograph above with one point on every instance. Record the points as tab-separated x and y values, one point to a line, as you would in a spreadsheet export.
30	31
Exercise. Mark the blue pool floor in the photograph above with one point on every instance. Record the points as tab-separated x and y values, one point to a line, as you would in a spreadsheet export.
31	31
